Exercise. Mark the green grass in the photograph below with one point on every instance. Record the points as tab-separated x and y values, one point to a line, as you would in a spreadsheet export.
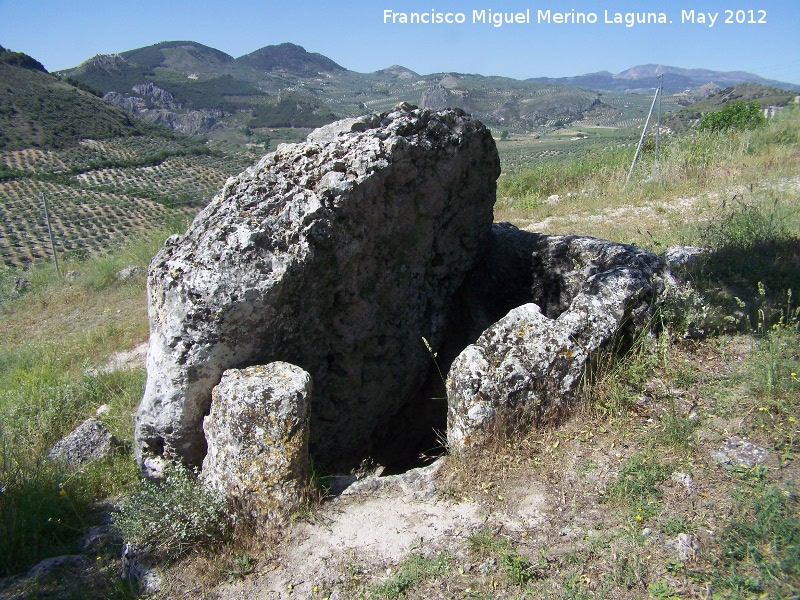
532	186
414	570
760	547
637	484
707	169
55	331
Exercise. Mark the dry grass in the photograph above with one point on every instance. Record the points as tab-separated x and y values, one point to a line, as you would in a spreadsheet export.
659	207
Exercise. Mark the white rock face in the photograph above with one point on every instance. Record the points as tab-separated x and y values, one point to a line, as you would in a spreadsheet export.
257	434
337	255
526	367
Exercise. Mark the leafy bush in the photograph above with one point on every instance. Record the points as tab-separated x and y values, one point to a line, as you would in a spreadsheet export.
167	519
734	115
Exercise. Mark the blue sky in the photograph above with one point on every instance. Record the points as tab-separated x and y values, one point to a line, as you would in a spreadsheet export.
63	33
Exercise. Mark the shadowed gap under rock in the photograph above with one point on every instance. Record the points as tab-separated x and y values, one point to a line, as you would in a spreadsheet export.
515	267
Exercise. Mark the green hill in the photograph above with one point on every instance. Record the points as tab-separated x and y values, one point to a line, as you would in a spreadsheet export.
39	110
179	56
116	73
20	59
290	58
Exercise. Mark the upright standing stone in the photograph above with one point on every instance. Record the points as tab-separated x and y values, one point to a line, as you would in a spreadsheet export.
257	434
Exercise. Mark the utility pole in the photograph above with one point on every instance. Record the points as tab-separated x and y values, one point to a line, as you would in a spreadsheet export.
644	131
658	126
50	233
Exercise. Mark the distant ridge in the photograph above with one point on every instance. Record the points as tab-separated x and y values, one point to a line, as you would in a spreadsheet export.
198	89
398	72
290	58
677	79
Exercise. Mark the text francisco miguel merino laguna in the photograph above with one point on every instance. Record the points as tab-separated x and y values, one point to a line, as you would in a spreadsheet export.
498	19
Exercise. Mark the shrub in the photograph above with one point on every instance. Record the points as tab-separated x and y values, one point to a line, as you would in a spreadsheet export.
734	115
166	519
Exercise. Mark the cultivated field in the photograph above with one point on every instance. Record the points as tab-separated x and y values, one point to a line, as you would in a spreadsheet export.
100	193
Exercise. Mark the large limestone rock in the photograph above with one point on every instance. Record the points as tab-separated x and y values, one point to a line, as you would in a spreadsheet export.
257	434
336	255
574	295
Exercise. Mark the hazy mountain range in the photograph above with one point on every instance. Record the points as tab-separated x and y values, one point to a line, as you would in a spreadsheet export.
645	77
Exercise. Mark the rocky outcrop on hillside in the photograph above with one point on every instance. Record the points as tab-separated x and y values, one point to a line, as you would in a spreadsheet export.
195	122
336	255
435	97
132	104
167	111
156	96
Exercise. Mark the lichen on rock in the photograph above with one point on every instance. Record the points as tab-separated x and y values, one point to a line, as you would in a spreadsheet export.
257	434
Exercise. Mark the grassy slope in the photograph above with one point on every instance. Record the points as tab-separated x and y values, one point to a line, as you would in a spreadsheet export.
36	109
57	328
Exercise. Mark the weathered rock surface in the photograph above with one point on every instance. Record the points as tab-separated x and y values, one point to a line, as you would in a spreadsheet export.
126	273
569	296
257	434
336	255
88	442
136	568
193	122
684	547
418	484
157	96
133	104
739	452
166	111
683	256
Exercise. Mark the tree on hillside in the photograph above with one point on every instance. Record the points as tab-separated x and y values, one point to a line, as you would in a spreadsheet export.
733	115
